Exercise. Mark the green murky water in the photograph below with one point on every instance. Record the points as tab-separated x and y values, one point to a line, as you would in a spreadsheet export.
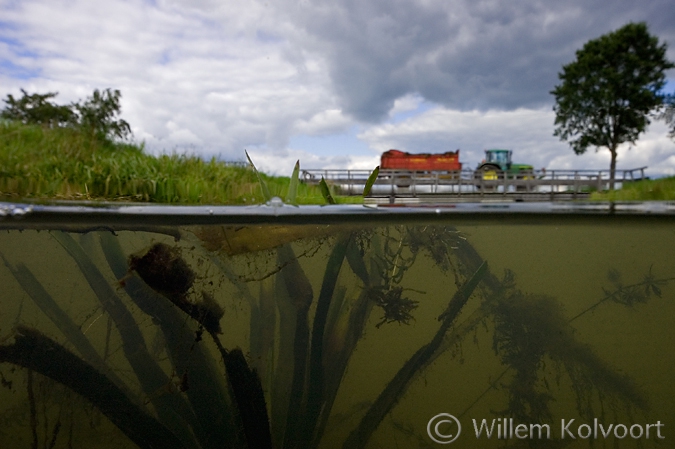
345	335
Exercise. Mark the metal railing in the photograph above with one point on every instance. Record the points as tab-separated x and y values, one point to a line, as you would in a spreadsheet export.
405	183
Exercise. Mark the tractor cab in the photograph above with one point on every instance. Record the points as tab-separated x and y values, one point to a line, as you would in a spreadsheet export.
499	158
498	165
499	161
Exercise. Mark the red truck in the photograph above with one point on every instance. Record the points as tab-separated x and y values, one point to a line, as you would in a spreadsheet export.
400	160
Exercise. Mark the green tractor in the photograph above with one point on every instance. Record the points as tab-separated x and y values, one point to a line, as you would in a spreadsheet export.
497	164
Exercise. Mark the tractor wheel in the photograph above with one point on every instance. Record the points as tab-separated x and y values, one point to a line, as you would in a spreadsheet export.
487	172
524	175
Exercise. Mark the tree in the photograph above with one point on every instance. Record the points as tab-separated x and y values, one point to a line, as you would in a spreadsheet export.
97	115
609	93
36	109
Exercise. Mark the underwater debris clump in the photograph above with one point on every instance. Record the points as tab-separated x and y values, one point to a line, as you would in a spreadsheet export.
165	271
396	307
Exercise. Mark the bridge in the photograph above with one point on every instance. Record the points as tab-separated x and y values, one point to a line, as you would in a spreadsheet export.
404	186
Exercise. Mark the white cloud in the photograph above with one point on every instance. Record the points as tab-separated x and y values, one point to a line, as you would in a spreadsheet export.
407	103
282	162
331	121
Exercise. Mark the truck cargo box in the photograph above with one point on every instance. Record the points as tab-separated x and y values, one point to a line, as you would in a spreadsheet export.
401	160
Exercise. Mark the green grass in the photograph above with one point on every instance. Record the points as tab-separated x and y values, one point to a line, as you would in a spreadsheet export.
648	190
44	164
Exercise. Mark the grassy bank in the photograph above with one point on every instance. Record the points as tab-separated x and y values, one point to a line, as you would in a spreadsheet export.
61	163
648	190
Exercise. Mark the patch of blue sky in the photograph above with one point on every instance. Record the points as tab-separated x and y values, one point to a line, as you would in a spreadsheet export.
266	37
332	145
669	88
15	71
14	45
165	58
402	116
11	42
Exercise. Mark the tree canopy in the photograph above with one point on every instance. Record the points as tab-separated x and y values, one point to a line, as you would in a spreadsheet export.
37	109
97	115
611	90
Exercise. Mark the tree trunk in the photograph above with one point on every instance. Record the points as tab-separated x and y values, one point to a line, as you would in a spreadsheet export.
612	168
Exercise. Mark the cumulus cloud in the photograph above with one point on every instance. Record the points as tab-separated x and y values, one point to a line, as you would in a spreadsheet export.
330	121
463	54
282	162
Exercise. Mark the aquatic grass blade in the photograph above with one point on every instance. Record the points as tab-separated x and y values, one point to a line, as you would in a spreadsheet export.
33	350
391	394
301	295
283	366
316	387
325	192
262	333
263	185
370	181
63	322
172	410
291	198
249	397
336	364
207	394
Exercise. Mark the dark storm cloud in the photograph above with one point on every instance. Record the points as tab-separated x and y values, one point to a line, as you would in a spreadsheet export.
463	54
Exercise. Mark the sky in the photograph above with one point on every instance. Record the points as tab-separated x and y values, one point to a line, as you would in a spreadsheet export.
333	83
